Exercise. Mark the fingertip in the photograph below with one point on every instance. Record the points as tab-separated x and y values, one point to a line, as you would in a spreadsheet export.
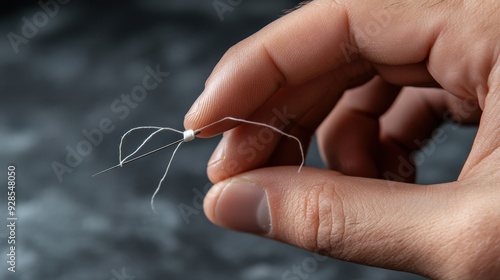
216	172
191	118
217	168
198	116
210	201
222	170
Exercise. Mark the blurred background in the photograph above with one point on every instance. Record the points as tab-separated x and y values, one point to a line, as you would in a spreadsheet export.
66	69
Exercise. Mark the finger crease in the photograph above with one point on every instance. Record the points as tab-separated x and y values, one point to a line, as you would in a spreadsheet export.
282	80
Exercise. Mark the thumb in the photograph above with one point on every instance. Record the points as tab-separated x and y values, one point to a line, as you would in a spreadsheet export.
362	220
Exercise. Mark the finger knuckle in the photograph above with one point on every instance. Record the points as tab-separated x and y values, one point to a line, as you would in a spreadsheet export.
323	221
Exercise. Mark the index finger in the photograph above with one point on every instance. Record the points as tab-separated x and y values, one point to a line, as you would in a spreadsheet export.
296	48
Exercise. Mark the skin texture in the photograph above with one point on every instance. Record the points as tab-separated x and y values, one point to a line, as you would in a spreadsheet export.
372	79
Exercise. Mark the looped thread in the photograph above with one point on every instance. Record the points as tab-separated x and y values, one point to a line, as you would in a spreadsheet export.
188	136
158	129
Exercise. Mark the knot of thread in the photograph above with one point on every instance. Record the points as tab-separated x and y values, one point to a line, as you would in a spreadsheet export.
188	135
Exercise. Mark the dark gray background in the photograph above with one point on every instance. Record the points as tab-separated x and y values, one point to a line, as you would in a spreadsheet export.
65	79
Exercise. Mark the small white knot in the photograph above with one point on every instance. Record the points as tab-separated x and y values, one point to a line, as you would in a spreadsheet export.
188	135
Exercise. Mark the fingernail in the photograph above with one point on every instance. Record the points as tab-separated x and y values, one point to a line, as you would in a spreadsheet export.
218	154
243	206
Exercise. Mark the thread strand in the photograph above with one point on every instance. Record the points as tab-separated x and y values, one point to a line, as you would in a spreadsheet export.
189	135
264	125
163	178
158	129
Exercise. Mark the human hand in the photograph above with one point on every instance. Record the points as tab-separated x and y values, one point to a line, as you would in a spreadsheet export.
294	72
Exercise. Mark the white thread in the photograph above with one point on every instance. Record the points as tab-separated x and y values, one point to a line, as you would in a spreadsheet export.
163	178
158	129
264	125
189	135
